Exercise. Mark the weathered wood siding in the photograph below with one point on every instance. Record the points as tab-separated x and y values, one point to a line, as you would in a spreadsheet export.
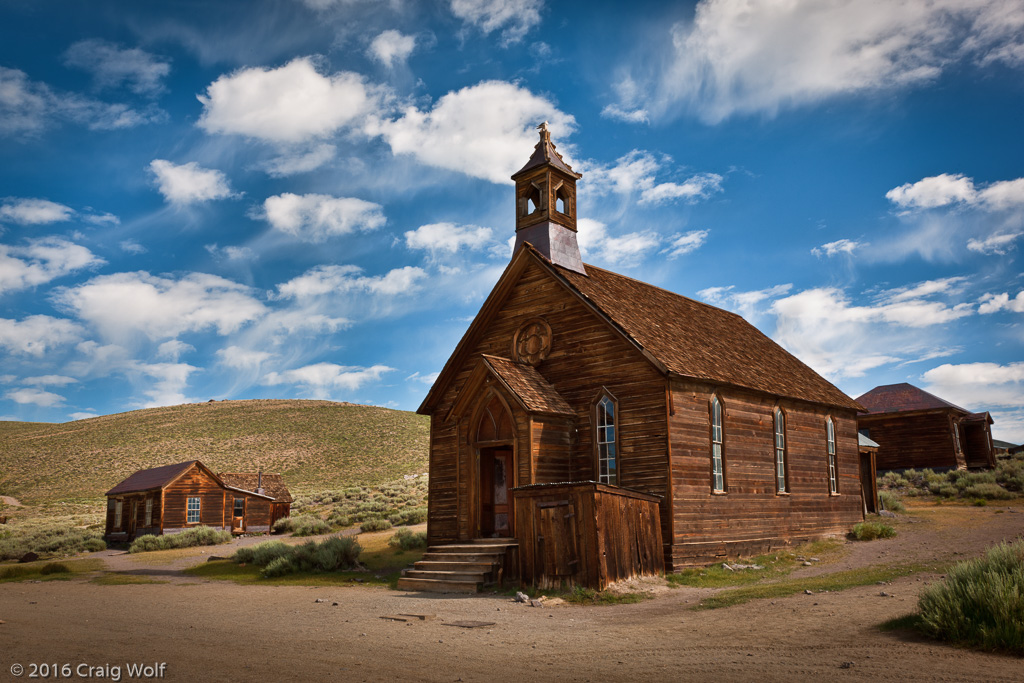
195	482
586	534
124	531
977	444
586	355
257	512
750	517
915	440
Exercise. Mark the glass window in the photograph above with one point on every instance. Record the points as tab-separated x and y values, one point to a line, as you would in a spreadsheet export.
607	440
239	507
717	469
780	451
149	512
193	510
118	508
833	482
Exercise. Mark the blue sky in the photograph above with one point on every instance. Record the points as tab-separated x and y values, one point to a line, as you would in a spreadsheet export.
311	198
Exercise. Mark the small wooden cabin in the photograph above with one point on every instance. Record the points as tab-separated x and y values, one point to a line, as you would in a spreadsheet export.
916	429
252	514
173	498
664	407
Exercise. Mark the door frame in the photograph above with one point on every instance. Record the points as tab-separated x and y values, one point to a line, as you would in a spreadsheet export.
476	448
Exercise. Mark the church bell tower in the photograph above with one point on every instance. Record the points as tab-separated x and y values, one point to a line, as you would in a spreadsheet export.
546	205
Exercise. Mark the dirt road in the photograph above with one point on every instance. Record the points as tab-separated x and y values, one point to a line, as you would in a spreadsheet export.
215	630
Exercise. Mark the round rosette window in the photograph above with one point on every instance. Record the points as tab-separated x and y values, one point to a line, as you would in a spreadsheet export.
532	342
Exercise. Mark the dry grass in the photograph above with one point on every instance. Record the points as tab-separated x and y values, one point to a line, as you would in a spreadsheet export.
316	445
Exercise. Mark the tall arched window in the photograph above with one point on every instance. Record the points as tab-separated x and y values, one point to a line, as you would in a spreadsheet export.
717	464
833	481
607	440
780	452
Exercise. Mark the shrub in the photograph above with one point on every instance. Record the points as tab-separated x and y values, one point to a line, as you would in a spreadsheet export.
279	566
981	601
891	501
338	519
375	525
283	525
409	517
947	490
407	539
278	559
54	568
196	536
309	526
265	553
991	491
49	538
893	480
869	531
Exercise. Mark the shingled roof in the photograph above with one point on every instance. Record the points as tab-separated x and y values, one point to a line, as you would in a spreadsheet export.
545	153
694	339
273	484
154	478
533	390
901	398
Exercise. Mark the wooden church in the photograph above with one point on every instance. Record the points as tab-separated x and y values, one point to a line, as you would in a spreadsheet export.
589	426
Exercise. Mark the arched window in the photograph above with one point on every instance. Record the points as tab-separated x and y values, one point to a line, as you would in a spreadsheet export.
833	481
495	423
607	440
780	452
717	464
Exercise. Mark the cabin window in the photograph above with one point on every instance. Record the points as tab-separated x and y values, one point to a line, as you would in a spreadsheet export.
607	441
118	509
239	507
830	430
780	451
149	512
193	510
717	463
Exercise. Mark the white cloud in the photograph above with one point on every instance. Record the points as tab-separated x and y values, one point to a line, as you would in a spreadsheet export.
41	261
929	193
242	359
428	379
316	217
34	211
687	242
342	279
169	382
37	334
745	303
843	246
993	303
390	47
82	415
984	386
448	237
302	161
132	247
480	130
635	174
597	243
947	285
289	104
189	183
125	304
172	349
1003	195
744	57
38	397
618	113
102	219
113	66
320	378
49	381
231	253
514	17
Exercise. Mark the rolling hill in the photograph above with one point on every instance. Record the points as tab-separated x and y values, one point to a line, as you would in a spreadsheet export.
316	445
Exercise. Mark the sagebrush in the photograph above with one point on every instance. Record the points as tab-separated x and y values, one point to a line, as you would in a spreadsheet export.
869	531
51	537
200	535
1004	482
278	559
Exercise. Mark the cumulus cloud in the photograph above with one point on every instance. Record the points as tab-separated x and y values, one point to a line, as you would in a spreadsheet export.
168	382
342	279
113	66
319	379
316	217
38	397
514	18
745	303
984	386
41	261
38	334
172	349
843	246
448	237
947	189
391	47
242	359
993	303
125	304
189	183
597	243
743	57
289	104
25	211
480	130
685	243
635	174
82	415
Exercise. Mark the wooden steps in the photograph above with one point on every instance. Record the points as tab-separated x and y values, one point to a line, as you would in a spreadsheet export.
463	567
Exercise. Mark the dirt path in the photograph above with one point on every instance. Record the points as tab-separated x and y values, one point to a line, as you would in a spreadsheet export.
216	630
13	502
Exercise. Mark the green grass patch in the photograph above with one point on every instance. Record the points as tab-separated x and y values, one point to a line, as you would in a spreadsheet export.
588	596
118	579
407	539
869	531
196	536
775	565
47	571
828	582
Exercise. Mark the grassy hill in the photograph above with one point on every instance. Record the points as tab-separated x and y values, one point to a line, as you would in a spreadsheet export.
316	445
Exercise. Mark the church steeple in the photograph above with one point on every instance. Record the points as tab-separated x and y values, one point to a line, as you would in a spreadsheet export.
546	205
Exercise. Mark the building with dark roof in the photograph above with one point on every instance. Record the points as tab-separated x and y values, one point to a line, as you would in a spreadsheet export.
579	394
173	498
916	429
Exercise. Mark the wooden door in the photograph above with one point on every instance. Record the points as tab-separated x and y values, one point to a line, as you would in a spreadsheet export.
495	499
867	483
238	515
133	519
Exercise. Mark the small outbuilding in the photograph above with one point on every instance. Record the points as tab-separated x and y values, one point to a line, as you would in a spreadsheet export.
173	498
916	429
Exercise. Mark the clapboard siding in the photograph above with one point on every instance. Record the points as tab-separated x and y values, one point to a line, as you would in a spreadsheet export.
196	481
913	440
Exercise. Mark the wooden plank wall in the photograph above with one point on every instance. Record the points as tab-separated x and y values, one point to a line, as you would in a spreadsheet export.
194	482
586	354
552	446
917	440
141	529
977	444
751	517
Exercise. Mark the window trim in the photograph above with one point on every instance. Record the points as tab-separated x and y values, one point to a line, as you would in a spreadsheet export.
234	510
595	412
118	513
716	401
149	512
779	416
833	460
198	510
